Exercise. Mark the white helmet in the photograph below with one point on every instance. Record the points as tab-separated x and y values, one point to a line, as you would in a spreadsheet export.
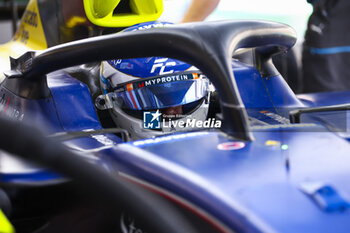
153	96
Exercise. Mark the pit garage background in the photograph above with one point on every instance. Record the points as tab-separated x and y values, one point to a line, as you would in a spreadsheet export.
294	13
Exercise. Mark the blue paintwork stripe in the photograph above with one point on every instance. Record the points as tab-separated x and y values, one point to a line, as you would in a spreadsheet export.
103	80
30	177
331	50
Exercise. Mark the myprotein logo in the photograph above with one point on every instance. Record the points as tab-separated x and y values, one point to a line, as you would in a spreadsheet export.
163	80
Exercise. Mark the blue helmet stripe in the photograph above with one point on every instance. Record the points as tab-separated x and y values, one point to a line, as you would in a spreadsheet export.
330	50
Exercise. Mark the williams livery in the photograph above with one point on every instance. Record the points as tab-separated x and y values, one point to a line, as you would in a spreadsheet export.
175	128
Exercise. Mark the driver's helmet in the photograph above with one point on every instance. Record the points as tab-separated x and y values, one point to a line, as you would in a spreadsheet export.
134	89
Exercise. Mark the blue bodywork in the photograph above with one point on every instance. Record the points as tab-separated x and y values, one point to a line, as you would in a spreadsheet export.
291	178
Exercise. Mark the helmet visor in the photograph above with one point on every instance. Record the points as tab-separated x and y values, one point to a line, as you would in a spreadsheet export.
161	92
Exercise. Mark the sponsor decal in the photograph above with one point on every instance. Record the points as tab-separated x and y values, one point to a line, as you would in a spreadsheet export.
7	108
30	18
149	67
162	80
22	35
30	31
162	63
276	144
272	143
276	117
231	146
149	26
103	140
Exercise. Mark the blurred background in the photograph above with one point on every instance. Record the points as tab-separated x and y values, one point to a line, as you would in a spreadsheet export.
294	13
6	15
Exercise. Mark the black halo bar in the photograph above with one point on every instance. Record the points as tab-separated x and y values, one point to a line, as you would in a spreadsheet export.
294	116
208	46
